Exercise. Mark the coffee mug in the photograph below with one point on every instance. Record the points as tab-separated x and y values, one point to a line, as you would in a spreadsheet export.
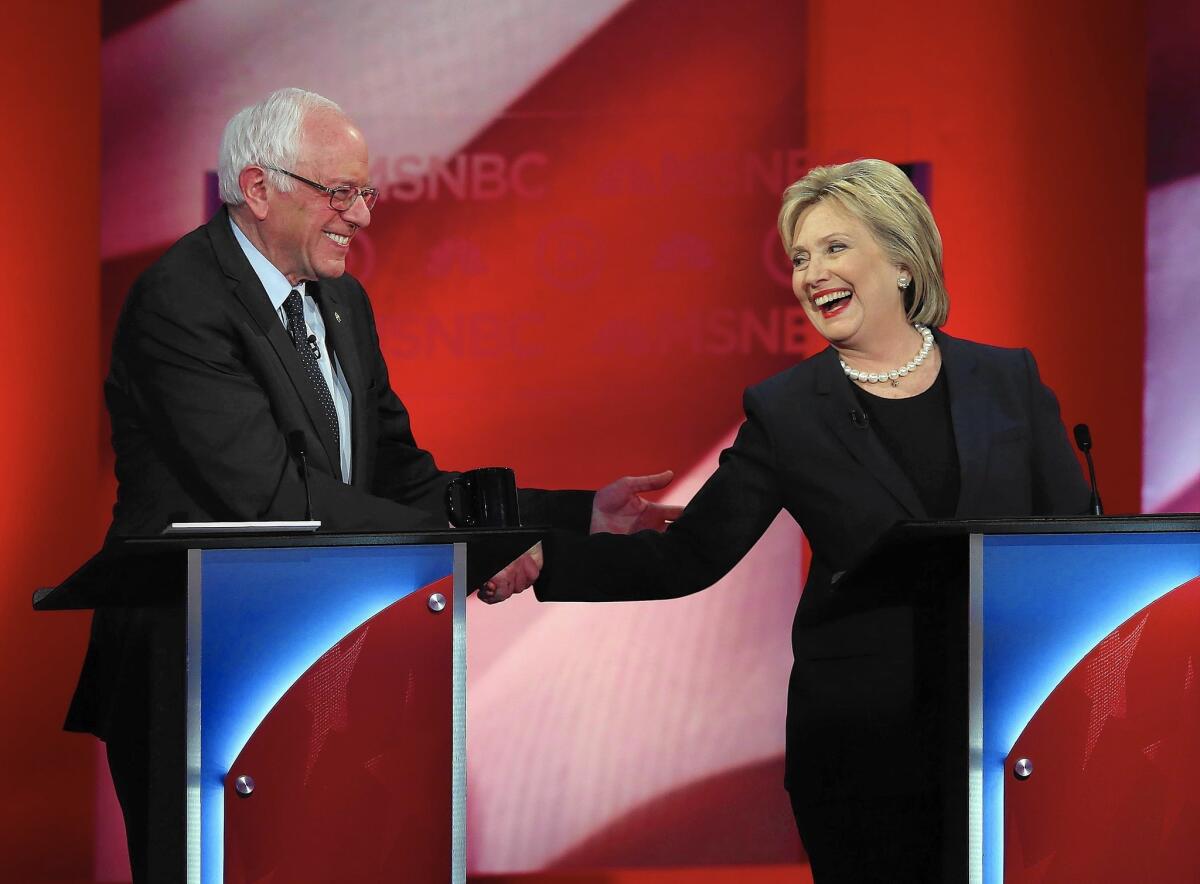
483	498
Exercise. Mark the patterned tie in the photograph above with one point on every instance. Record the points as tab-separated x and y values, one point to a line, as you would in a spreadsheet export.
293	306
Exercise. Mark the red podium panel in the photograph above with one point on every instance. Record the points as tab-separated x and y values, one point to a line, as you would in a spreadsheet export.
1115	792
336	761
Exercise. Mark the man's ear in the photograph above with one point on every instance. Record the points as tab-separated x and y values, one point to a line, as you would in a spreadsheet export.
253	181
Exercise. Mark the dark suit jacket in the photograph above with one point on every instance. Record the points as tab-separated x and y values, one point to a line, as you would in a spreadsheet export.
799	450
204	387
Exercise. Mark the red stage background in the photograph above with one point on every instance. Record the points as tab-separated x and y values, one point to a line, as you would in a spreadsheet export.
591	305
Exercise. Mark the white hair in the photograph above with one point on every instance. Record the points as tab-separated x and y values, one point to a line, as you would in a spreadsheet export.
265	134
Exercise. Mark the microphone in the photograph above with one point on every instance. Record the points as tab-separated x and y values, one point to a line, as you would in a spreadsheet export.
1083	440
312	342
295	441
859	419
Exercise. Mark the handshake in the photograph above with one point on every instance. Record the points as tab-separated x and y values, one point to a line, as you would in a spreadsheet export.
618	508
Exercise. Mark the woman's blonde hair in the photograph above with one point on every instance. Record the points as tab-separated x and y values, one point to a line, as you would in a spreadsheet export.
882	197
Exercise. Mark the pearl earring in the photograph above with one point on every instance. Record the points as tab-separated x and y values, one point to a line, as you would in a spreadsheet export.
902	282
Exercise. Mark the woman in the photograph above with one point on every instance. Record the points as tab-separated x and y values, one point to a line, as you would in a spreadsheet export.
895	420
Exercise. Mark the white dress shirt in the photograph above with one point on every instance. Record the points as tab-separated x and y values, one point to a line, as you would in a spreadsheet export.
278	288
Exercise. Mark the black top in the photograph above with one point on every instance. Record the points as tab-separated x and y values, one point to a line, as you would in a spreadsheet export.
919	434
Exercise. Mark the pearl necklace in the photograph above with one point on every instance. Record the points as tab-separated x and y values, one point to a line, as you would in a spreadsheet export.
896	373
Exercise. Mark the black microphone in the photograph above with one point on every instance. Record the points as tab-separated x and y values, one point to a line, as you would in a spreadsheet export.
312	342
1083	439
859	418
295	441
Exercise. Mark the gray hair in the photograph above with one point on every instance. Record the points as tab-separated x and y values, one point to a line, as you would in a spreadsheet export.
265	134
881	196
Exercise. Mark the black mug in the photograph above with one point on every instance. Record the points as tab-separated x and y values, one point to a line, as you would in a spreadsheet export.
483	498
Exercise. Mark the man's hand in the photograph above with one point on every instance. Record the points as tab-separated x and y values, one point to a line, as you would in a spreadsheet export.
514	578
620	509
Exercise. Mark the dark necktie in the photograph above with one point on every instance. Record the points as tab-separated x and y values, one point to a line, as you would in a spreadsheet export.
293	306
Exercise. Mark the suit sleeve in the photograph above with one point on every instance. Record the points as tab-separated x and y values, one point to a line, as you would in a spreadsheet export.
1059	488
718	527
188	380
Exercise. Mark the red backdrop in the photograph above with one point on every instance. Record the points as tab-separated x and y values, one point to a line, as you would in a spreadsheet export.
53	511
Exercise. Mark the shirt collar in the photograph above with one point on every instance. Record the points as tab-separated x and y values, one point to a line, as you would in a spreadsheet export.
275	283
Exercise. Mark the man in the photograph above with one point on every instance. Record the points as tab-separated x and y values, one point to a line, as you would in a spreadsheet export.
246	338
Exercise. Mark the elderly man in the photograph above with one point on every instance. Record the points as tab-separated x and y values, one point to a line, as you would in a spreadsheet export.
246	334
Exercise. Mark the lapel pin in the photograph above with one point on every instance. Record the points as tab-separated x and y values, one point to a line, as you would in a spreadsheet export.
337	316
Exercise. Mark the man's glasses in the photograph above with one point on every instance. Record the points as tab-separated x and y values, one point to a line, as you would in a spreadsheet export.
340	198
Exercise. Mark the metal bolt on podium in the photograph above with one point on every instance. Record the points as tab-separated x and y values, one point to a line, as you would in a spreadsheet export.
437	602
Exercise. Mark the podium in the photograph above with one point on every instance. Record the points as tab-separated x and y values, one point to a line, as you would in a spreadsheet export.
325	694
1054	670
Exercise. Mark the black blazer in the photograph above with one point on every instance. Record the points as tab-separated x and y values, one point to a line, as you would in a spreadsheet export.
800	450
204	387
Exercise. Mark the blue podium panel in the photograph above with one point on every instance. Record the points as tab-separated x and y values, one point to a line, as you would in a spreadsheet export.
1039	604
258	620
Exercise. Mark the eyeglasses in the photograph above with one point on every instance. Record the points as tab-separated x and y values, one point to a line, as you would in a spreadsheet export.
341	199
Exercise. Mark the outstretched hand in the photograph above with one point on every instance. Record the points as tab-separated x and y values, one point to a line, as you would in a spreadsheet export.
619	508
513	578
